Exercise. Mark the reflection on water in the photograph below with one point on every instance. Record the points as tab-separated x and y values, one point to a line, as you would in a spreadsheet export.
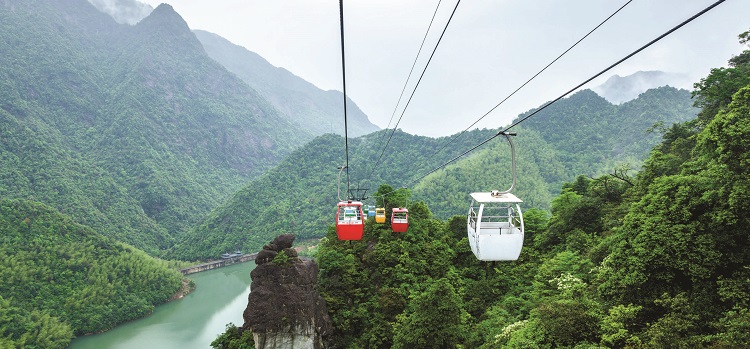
193	322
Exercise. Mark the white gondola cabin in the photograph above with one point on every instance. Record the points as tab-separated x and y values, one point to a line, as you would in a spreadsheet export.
350	224
495	226
495	222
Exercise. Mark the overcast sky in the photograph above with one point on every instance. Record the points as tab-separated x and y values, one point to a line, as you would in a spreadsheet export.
490	48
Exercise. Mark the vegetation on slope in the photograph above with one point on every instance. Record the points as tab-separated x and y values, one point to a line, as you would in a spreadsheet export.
656	260
300	194
62	279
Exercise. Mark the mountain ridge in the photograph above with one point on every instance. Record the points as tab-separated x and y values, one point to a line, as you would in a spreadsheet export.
298	100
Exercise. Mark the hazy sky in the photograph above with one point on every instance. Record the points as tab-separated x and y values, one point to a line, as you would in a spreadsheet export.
490	48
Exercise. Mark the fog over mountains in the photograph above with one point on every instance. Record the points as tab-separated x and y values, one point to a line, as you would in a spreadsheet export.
620	89
123	11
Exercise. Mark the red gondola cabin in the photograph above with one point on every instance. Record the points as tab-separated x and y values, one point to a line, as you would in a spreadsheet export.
350	224
400	220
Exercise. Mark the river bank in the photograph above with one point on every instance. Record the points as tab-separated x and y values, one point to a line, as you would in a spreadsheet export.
192	322
187	286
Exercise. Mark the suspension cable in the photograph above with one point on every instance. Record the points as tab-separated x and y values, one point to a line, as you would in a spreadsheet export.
343	76
620	61
573	89
415	89
406	83
455	137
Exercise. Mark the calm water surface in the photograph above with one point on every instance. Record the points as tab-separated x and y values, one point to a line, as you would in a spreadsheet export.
193	322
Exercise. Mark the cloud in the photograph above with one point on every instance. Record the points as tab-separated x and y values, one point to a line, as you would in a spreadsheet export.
123	11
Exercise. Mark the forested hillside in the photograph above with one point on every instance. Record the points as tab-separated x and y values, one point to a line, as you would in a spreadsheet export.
299	195
61	279
132	130
299	101
588	131
580	135
583	134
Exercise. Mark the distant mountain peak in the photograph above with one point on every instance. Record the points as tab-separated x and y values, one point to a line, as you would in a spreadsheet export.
166	28
620	89
165	17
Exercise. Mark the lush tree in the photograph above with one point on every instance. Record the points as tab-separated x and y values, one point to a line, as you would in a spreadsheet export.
715	91
434	318
234	338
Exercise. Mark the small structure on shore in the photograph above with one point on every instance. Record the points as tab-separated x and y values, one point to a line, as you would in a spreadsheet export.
236	254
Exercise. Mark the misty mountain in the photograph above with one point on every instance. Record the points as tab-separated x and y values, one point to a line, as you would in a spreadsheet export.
579	135
619	89
299	101
132	130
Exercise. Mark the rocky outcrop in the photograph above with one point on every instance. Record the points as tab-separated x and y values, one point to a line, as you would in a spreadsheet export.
284	308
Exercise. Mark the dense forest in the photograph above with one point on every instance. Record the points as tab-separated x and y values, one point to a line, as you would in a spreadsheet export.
61	279
583	134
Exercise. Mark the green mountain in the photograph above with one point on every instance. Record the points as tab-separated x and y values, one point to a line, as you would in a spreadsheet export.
583	134
132	130
61	279
586	130
297	100
580	135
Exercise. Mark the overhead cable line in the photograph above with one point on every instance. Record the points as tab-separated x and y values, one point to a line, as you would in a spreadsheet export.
343	76
455	137
573	89
406	83
413	91
709	8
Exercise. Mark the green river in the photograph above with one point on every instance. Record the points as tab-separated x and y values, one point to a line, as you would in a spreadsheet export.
193	322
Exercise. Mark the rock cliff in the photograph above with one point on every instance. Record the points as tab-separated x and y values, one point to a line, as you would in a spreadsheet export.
284	308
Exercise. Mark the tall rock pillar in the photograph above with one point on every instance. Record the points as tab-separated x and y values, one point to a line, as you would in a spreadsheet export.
284	308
